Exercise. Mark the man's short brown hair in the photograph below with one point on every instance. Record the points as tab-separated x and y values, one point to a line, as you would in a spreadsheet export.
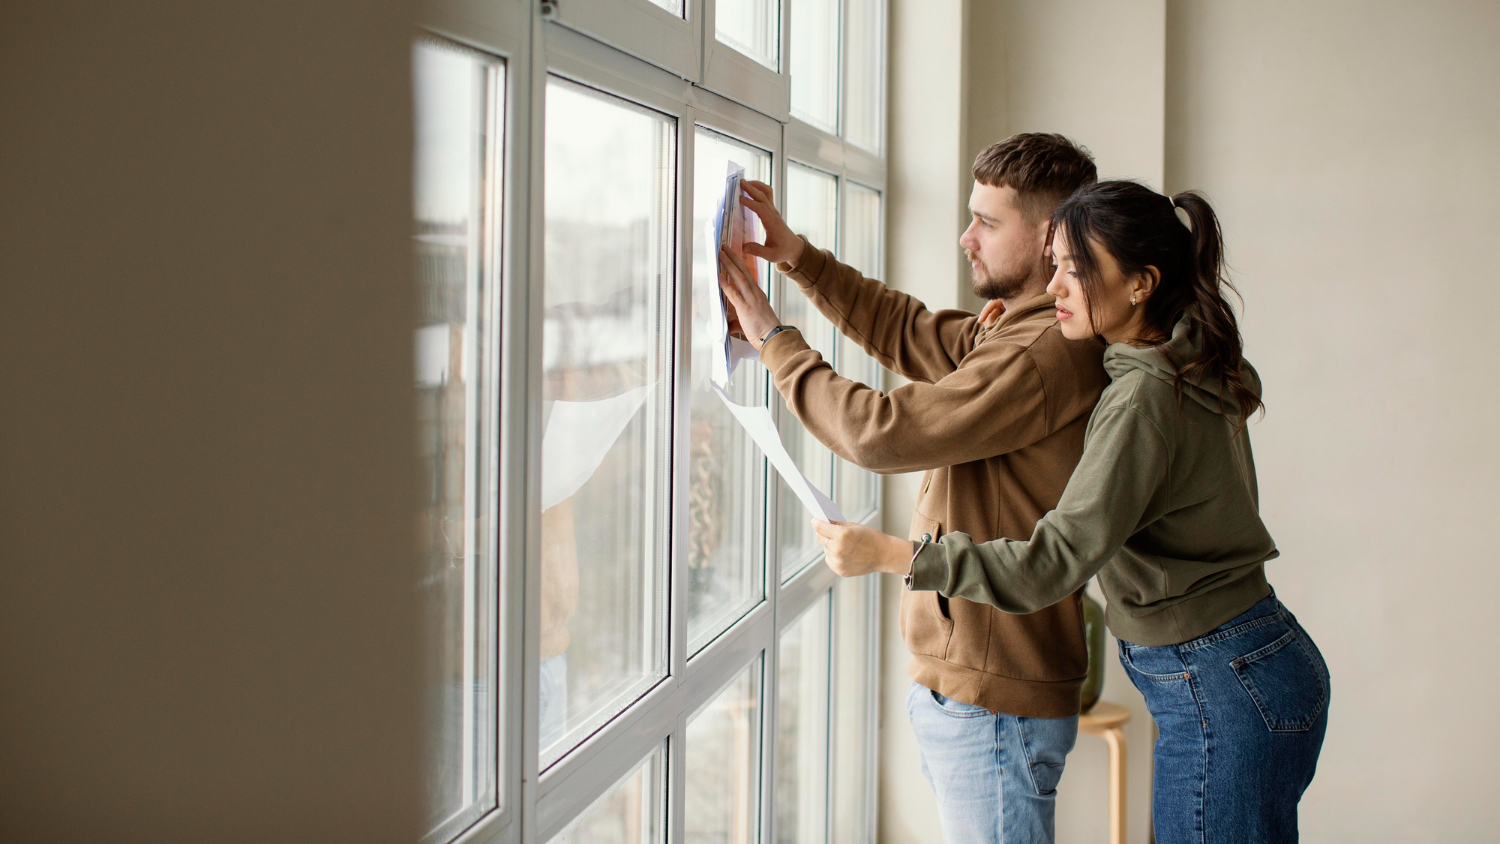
1043	168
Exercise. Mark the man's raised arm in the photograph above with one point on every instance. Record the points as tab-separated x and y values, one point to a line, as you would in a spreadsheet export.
894	327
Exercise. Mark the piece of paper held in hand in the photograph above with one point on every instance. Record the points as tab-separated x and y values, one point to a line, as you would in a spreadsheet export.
757	421
578	436
733	225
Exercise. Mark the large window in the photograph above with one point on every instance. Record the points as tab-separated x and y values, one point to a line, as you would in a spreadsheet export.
632	637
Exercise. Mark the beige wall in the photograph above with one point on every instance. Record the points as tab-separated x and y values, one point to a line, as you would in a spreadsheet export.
1350	149
207	622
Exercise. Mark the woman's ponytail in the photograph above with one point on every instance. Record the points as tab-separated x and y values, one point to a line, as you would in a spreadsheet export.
1223	350
1140	228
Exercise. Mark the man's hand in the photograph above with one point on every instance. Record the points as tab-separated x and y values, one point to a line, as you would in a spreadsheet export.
749	310
991	312
853	549
782	244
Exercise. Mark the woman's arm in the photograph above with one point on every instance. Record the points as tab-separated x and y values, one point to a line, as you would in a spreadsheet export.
1119	486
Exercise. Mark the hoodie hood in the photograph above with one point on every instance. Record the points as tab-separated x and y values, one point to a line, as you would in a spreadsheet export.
1184	347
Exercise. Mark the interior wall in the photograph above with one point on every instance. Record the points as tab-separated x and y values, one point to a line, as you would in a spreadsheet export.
1350	149
207	483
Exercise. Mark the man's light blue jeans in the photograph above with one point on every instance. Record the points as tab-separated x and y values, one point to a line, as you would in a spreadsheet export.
995	775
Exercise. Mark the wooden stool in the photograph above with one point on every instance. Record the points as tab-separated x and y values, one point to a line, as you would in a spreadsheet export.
1107	720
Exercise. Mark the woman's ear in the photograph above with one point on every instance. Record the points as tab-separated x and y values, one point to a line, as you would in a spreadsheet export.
1145	283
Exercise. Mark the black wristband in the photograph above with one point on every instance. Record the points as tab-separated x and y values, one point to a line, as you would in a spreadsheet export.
773	332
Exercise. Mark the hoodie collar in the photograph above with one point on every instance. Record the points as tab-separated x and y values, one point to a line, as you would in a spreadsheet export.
1162	362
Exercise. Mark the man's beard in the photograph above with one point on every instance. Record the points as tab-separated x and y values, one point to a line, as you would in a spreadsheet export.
1008	285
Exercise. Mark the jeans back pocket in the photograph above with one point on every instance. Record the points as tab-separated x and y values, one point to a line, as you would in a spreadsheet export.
1286	683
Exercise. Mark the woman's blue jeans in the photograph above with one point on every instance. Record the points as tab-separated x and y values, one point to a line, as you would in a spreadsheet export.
1242	712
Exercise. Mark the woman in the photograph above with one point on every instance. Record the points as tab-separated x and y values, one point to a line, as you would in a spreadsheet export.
1163	508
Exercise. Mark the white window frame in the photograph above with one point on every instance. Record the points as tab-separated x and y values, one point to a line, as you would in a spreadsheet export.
676	67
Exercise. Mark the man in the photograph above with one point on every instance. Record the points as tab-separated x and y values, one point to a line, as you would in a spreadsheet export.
995	415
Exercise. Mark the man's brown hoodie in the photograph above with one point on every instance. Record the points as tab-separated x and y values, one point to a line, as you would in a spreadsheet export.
996	418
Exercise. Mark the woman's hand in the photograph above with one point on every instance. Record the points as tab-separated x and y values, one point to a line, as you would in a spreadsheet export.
991	313
782	244
854	549
749	310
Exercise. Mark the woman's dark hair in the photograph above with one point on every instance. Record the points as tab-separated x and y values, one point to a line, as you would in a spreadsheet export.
1139	228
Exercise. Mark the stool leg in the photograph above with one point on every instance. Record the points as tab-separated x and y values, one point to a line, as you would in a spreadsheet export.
1115	738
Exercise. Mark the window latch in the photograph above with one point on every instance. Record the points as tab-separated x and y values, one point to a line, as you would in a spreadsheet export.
550	9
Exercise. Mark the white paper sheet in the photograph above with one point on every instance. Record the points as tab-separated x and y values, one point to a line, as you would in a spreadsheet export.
733	225
758	423
578	436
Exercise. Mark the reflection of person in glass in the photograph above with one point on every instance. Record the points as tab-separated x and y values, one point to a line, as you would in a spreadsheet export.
589	398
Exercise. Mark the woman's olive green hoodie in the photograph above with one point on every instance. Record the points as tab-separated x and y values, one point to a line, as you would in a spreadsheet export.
1163	507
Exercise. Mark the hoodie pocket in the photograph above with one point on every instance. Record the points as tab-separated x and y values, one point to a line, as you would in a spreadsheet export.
926	624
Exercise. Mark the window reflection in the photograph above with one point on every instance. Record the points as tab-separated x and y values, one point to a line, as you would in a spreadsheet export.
610	176
458	94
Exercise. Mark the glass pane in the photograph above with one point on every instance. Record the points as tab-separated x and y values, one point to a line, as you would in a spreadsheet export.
673	6
751	26
858	489
458	95
633	812
815	63
864	82
725	471
853	709
802	730
812	210
610	177
723	765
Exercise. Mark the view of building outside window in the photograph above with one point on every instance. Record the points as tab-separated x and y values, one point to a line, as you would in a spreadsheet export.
725	510
458	94
606	398
811	210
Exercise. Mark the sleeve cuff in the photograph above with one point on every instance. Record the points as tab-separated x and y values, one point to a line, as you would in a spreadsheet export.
929	569
808	266
776	350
